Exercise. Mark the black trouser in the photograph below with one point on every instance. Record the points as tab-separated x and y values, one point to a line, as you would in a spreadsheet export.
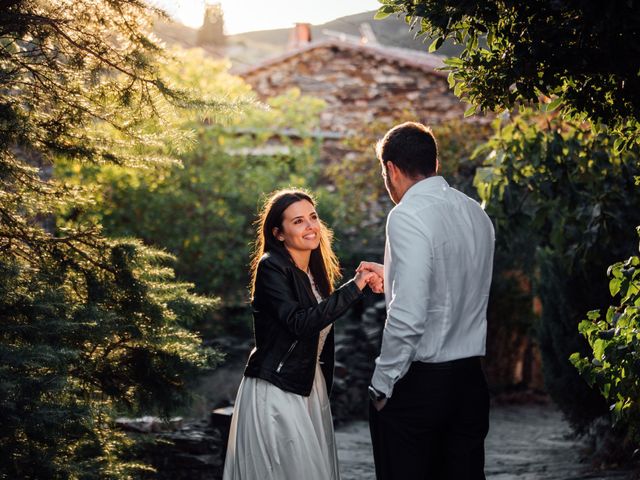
434	425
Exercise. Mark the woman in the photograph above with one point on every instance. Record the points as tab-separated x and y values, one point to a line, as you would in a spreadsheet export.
282	426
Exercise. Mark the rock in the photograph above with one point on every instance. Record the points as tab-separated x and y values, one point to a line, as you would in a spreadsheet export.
341	370
191	451
221	420
148	424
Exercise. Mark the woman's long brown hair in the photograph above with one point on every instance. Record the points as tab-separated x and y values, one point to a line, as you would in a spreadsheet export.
323	264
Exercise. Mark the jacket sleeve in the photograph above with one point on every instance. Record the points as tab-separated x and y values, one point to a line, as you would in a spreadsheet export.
274	293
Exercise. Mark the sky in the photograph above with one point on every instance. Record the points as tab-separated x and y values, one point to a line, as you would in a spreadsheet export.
249	15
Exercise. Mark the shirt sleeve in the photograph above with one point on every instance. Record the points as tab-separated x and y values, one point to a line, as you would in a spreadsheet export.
408	267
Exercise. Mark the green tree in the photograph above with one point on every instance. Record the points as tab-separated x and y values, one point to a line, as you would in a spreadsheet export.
584	55
90	325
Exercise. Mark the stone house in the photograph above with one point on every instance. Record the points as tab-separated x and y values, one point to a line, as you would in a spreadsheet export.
360	80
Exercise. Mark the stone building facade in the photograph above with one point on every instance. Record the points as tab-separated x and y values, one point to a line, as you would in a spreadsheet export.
360	83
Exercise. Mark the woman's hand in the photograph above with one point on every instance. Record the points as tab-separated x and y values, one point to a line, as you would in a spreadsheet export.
376	283
363	278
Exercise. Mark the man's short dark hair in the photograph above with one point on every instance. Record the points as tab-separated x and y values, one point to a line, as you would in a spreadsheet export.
411	147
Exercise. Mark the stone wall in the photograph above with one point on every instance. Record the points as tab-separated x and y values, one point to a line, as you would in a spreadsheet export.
358	338
179	450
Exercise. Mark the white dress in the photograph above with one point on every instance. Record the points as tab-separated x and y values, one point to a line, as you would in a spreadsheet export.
280	435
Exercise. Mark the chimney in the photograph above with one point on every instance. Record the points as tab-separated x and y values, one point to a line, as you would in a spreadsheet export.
366	35
211	32
300	36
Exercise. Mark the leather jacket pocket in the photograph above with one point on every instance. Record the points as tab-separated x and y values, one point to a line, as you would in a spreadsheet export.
286	356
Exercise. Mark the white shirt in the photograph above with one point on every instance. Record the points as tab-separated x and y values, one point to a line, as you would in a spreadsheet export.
438	264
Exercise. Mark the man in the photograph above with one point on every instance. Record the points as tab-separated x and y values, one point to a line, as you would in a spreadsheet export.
430	402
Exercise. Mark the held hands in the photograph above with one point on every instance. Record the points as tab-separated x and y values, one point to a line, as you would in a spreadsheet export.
364	278
371	274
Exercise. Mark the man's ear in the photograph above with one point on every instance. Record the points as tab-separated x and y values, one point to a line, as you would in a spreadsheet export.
392	170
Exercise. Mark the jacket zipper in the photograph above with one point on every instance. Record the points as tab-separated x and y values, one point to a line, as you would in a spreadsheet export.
284	359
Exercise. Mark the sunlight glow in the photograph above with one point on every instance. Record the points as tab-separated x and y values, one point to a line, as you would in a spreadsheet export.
249	15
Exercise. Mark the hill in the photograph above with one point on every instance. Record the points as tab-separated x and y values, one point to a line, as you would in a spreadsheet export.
248	48
391	31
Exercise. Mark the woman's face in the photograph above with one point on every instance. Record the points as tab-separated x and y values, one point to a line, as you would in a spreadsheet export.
300	227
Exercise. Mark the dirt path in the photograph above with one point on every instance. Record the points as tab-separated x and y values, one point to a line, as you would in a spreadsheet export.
524	443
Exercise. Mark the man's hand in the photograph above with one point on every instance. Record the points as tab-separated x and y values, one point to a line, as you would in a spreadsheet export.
379	404
364	278
375	282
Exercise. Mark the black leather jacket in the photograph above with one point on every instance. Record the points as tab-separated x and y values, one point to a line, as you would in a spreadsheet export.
287	321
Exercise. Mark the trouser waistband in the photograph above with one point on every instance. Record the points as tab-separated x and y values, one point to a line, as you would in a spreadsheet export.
448	365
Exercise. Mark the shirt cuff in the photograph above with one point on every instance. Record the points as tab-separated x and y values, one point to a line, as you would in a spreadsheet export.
382	383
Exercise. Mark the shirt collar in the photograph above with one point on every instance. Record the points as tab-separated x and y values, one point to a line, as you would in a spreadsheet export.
430	184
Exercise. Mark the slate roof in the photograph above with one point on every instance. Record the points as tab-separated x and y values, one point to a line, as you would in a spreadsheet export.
429	63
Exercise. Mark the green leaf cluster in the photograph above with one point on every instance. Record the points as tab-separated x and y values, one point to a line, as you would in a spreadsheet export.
584	57
561	185
613	364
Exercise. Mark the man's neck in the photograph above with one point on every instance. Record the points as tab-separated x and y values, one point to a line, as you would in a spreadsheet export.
408	182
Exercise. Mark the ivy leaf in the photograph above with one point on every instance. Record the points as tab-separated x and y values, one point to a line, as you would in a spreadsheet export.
614	286
598	351
382	13
451	79
592	315
436	44
470	111
550	107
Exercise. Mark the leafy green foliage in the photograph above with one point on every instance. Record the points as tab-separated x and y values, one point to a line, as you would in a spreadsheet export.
568	187
91	326
613	364
583	55
85	335
562	199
